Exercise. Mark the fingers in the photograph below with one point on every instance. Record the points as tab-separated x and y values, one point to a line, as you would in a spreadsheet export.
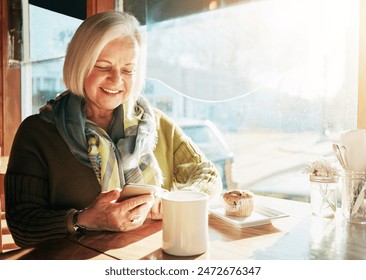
107	214
109	196
156	210
141	210
134	202
133	212
136	217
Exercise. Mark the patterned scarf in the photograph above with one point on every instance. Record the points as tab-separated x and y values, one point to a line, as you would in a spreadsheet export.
122	155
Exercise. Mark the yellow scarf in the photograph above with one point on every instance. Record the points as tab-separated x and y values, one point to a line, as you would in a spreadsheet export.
123	155
131	160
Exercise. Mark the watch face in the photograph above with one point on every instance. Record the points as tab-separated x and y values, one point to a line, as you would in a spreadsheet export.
76	226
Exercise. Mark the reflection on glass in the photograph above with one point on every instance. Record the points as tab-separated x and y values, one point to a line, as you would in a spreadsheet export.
277	77
47	81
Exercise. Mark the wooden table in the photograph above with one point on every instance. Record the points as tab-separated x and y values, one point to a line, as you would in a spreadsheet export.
300	236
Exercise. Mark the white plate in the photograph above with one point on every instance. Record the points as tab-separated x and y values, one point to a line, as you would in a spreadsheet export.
260	216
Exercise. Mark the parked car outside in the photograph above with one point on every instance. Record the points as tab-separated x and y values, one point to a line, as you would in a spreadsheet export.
211	142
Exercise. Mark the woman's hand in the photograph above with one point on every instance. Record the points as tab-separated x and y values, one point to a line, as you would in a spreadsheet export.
107	214
156	212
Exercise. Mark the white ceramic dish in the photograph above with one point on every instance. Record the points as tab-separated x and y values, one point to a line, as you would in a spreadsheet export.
260	216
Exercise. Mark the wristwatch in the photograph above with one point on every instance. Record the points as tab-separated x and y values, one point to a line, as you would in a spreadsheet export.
77	227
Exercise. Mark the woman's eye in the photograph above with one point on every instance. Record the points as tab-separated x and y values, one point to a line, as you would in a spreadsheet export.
128	71
102	68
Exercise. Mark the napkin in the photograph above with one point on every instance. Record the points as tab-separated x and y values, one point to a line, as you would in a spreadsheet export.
355	143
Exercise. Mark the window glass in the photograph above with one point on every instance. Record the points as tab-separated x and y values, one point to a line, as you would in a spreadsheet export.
277	78
49	33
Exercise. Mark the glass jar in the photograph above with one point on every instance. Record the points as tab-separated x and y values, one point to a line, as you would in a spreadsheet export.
354	196
323	195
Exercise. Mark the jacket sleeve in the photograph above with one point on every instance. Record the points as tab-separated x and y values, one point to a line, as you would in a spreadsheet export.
190	169
29	216
193	171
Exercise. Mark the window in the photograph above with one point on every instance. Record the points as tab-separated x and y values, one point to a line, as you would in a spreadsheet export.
49	34
277	77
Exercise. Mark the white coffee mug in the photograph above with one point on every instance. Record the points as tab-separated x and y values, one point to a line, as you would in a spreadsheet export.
185	223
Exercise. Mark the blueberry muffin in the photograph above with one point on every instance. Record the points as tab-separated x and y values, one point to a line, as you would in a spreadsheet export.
238	203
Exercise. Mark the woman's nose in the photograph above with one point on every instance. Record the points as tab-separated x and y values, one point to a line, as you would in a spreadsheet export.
116	77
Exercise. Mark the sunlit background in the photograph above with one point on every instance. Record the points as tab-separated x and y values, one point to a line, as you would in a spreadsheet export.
276	79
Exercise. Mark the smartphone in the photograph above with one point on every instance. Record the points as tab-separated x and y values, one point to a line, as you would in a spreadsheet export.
132	190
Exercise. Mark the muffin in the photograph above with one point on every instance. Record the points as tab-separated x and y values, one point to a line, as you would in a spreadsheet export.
238	203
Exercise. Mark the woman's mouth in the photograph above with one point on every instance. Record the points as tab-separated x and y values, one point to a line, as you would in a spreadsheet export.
110	91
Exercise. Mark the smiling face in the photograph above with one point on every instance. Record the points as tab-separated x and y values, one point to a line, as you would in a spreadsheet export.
112	78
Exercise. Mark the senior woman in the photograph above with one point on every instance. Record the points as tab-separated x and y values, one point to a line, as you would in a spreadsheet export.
69	163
